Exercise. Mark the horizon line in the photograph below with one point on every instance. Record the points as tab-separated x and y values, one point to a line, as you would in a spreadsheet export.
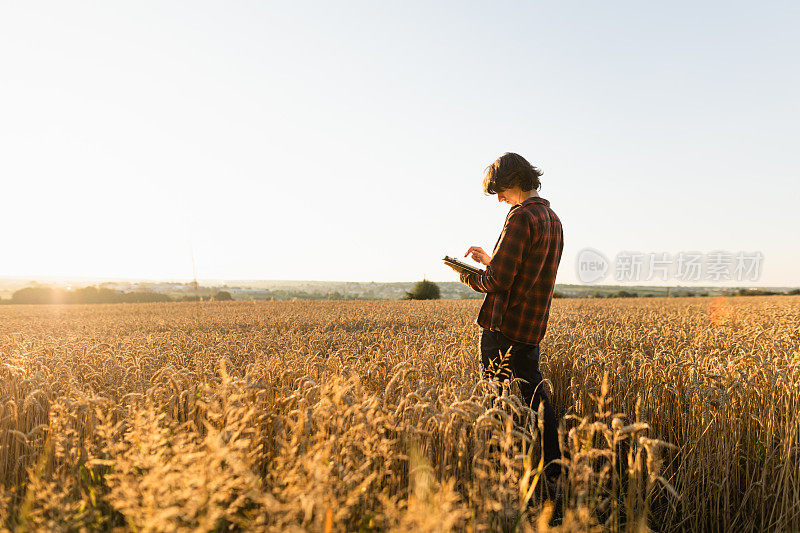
108	279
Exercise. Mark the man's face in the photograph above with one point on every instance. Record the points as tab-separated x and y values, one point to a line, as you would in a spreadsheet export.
508	196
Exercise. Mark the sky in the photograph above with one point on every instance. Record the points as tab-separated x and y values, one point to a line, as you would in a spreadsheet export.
348	140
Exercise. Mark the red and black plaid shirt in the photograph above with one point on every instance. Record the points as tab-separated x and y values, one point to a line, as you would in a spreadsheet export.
520	277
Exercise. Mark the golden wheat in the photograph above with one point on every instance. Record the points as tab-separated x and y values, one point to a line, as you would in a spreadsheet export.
678	415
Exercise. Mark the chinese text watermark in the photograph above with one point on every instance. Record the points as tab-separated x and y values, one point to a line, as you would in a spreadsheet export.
717	266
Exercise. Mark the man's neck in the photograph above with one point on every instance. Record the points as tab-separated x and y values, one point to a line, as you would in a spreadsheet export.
529	194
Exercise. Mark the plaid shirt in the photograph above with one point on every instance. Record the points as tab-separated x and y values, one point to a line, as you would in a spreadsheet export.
520	277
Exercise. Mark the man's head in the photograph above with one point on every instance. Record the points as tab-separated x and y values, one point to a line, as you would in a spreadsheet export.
511	178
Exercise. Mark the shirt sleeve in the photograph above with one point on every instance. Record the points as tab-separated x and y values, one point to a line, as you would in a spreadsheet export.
506	259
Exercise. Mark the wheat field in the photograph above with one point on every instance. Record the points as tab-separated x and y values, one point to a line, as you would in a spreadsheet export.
678	415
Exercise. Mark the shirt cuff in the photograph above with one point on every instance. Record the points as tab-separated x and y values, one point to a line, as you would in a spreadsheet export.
473	281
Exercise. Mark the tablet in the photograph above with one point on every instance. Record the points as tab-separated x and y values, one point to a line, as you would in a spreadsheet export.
462	266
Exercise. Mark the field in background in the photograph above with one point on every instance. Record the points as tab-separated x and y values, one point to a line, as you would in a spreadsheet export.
372	415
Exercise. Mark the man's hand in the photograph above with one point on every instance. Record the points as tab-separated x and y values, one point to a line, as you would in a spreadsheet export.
478	255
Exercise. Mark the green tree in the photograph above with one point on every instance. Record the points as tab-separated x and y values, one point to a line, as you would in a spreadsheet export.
424	290
34	295
223	296
625	294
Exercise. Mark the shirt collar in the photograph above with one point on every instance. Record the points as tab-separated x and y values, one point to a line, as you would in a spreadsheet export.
535	200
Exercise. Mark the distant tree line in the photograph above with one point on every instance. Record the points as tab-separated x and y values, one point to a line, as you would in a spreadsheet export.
94	295
423	290
618	294
759	292
290	294
679	294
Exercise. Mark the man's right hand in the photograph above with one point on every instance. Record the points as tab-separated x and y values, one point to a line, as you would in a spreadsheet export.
479	255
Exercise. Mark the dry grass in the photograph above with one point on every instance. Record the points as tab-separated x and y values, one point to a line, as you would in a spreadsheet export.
359	416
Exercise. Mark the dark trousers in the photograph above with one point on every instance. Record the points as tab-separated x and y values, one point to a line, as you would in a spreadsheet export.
522	361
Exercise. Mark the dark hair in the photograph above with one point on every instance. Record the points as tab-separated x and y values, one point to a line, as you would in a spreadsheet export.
511	170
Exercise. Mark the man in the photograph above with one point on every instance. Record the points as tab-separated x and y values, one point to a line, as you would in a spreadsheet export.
518	282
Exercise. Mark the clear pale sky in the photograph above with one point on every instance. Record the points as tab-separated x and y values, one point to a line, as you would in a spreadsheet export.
347	140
